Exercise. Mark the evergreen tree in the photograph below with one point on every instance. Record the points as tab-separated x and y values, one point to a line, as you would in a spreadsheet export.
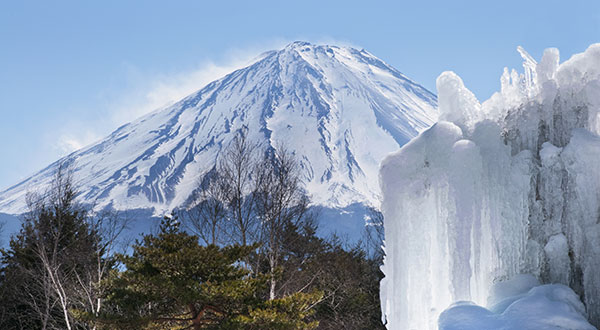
170	281
348	278
263	200
53	265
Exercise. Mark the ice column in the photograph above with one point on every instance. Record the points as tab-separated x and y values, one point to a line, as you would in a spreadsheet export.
508	186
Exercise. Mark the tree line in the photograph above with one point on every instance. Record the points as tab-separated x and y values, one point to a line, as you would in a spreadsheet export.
241	254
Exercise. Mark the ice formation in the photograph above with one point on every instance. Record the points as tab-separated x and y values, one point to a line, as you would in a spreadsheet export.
520	304
495	189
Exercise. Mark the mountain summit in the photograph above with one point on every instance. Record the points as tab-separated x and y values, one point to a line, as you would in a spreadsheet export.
341	110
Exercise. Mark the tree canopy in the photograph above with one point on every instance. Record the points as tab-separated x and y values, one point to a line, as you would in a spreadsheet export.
171	281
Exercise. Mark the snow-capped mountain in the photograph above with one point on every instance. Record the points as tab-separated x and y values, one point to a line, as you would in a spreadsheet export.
341	110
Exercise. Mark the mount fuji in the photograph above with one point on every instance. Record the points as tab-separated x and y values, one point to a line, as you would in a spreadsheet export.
339	109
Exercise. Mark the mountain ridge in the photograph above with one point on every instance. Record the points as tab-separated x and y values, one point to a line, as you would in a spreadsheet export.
328	104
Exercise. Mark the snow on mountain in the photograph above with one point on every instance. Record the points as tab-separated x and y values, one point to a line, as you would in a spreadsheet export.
341	110
496	189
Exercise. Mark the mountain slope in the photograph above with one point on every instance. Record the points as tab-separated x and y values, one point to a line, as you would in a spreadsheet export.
340	110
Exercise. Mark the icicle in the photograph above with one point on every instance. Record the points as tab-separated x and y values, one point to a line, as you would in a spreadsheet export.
529	66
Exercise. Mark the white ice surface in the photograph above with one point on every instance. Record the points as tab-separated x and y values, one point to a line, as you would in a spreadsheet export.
500	188
520	304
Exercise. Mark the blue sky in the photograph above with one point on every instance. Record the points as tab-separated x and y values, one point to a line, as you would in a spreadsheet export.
72	71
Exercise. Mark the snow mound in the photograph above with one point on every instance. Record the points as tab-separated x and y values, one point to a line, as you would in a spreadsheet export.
500	188
522	304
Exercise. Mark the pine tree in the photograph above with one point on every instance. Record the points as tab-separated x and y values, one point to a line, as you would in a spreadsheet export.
170	281
54	264
348	278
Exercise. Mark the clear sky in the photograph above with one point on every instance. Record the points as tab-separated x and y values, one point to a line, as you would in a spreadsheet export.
72	71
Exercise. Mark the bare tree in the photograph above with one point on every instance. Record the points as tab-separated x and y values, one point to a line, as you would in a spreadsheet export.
374	234
60	256
88	291
236	168
280	201
207	214
52	218
251	196
222	209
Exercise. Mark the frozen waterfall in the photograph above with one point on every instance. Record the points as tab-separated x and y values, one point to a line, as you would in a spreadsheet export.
496	189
